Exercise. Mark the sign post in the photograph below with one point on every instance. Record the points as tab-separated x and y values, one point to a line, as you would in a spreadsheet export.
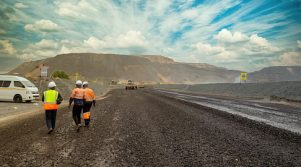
76	76
44	71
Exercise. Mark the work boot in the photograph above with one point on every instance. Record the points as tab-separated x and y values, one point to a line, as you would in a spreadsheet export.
50	131
78	127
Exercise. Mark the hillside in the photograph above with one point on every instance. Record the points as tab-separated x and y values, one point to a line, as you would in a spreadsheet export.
150	69
276	74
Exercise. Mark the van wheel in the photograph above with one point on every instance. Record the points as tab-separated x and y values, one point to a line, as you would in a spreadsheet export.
28	101
18	99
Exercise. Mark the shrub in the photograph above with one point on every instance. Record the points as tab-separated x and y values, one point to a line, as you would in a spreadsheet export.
60	74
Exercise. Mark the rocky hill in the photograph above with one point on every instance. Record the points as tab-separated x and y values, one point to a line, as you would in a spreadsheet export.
149	69
276	74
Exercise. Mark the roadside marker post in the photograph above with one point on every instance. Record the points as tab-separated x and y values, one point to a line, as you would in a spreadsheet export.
76	76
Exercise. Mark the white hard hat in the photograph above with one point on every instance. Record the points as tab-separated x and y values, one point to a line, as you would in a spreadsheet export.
51	84
85	83
79	82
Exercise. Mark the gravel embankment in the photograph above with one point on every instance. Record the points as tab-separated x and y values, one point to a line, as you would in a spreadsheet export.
285	90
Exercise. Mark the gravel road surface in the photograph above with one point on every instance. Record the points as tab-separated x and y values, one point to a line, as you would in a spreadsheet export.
275	114
148	128
10	111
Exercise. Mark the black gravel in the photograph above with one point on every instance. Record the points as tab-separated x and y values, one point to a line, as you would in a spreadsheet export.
142	128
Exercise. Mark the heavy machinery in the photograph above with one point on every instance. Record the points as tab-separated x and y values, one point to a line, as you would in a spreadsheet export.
130	85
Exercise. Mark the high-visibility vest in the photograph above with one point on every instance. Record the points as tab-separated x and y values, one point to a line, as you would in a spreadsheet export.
50	97
89	94
78	95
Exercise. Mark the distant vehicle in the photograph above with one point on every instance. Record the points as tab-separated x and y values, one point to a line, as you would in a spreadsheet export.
114	82
17	89
141	85
130	85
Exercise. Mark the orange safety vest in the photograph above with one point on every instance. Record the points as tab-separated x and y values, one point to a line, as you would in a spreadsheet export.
89	94
50	98
78	93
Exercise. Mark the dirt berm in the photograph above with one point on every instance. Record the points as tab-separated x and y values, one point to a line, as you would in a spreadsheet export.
285	90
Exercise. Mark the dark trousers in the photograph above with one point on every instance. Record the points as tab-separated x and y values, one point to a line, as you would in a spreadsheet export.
87	107
76	113
50	118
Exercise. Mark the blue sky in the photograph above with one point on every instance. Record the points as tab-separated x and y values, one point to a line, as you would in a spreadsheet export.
236	34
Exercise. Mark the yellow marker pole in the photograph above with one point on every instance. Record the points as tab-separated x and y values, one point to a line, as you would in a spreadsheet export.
76	75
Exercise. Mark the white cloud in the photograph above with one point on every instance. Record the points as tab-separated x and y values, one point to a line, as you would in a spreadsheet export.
37	54
21	6
259	41
289	59
262	42
228	56
68	11
71	46
42	49
232	48
6	47
80	9
128	42
95	43
214	53
190	14
46	44
248	44
64	50
42	26
130	39
168	50
299	43
228	37
208	49
74	49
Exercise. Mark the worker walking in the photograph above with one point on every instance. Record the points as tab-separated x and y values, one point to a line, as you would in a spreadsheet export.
89	100
51	99
77	97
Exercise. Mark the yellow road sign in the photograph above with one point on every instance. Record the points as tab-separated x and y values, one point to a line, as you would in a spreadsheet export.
243	76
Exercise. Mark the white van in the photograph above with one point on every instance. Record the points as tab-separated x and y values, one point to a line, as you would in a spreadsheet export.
17	89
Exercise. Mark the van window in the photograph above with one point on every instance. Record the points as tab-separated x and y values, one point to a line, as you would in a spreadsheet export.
6	84
1	82
28	84
18	84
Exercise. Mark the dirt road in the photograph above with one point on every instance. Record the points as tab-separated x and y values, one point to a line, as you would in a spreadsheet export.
147	128
9	110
